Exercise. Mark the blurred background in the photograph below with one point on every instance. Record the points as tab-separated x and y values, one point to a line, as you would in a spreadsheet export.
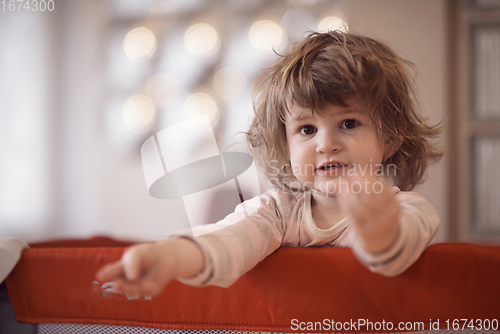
84	83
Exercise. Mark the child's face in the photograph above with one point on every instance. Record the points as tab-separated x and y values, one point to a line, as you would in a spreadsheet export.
342	138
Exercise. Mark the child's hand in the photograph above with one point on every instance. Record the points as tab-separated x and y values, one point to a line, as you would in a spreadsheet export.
145	269
374	211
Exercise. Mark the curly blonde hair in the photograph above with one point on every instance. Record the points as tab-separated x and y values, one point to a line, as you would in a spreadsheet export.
333	68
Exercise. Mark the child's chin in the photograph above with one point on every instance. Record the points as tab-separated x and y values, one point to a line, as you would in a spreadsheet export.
330	188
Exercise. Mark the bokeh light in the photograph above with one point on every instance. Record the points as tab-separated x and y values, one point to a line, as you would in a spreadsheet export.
266	35
202	40
332	23
199	104
139	113
229	82
139	44
162	88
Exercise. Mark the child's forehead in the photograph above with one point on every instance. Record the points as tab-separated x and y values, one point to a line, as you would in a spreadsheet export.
298	113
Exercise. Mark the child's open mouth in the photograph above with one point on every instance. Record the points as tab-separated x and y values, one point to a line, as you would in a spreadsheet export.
331	166
331	169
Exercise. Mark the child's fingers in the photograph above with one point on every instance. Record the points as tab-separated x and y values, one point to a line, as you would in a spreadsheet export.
132	264
145	272
128	267
114	273
138	260
141	271
140	287
368	199
150	285
369	189
154	281
122	285
110	272
360	213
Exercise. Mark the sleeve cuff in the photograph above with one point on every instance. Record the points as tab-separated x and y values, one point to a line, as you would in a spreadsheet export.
376	260
203	277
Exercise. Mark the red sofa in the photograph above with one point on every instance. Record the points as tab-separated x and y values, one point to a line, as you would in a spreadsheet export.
293	290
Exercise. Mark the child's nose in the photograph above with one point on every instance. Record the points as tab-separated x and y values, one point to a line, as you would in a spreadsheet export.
327	143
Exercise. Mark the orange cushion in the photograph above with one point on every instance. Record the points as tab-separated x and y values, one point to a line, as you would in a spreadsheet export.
449	281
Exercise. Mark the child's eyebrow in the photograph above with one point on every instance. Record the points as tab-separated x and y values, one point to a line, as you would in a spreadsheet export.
299	117
347	111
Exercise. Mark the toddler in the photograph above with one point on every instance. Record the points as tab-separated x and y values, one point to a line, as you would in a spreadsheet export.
338	138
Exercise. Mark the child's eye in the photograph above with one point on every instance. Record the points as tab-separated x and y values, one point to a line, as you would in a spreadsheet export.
349	124
308	130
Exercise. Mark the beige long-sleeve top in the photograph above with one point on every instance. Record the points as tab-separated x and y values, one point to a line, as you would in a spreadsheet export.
259	226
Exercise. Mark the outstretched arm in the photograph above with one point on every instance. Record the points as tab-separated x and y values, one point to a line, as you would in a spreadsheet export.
375	213
145	269
218	254
391	230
